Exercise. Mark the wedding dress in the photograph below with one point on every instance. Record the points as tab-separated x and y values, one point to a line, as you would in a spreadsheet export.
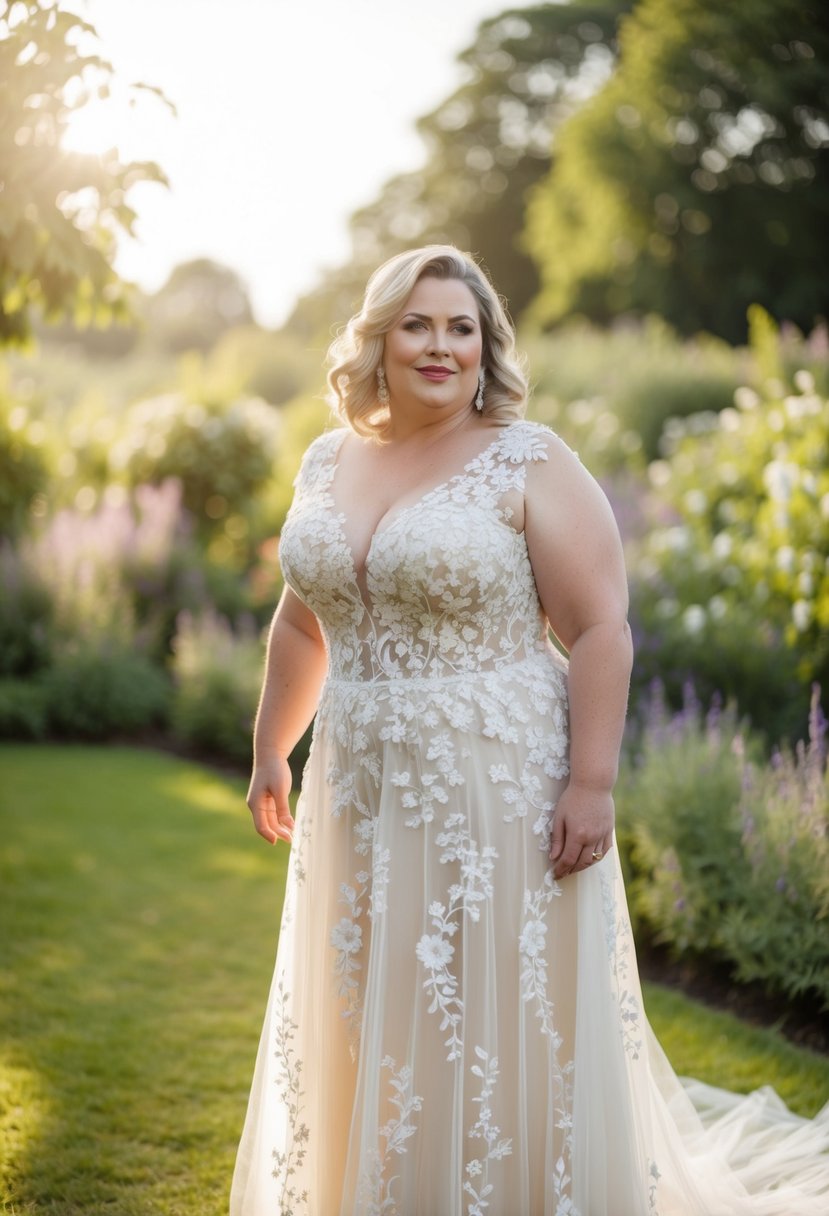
451	1031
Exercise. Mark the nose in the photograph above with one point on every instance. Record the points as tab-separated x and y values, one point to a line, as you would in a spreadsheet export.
438	344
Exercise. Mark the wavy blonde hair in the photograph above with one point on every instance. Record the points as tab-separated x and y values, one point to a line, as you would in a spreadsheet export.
356	353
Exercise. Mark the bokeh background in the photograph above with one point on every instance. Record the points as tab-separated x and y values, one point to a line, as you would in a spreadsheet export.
191	198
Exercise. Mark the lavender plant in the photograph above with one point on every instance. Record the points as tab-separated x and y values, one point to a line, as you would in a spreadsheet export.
728	852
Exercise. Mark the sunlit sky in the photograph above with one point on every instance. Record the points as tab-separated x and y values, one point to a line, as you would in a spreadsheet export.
291	113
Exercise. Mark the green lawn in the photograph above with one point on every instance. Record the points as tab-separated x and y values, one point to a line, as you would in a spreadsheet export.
139	922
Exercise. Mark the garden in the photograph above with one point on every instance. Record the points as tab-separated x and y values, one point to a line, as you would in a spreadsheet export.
146	468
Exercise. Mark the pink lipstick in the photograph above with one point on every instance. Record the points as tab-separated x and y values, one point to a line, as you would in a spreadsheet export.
435	373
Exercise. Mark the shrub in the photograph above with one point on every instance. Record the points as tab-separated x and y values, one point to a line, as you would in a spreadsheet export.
676	798
631	379
95	694
23	464
218	673
740	557
25	617
104	570
778	933
223	456
24	712
729	855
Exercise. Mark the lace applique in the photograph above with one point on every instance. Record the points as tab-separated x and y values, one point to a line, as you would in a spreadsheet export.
450	589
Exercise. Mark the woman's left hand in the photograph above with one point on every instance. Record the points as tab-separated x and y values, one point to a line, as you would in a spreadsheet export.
582	829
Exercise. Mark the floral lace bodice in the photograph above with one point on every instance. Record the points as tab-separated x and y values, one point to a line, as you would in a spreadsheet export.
450	589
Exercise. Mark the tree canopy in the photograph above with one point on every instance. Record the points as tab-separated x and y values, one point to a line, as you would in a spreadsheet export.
696	182
486	145
60	211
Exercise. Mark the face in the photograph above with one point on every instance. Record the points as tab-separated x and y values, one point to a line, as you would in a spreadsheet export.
433	351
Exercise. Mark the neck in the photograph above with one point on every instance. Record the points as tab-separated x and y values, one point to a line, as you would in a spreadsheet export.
406	429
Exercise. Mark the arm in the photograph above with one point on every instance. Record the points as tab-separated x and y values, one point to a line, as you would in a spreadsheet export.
294	672
577	560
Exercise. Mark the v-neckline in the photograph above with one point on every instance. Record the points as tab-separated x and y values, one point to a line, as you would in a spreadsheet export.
340	516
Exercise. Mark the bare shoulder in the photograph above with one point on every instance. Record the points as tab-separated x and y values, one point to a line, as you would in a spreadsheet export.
556	473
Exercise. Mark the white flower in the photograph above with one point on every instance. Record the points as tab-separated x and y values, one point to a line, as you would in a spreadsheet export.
693	619
474	1168
801	615
533	938
434	951
745	398
346	936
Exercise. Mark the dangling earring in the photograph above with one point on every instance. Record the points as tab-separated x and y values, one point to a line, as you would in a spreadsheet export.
382	387
479	399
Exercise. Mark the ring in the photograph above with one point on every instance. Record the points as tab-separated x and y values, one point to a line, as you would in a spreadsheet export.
597	856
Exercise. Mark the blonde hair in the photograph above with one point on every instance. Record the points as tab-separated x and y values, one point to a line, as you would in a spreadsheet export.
357	352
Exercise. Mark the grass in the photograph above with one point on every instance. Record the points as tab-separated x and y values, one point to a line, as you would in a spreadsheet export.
139	923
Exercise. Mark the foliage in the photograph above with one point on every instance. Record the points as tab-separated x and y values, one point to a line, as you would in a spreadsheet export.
200	301
99	691
610	393
25	617
60	212
742	550
273	365
694	181
486	144
218	672
101	568
221	453
24	711
784	810
24	466
676	799
730	856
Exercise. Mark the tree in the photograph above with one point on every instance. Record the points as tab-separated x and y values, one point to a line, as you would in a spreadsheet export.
200	301
60	211
696	182
486	145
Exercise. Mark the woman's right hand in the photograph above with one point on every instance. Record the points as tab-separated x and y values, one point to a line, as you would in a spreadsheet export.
270	785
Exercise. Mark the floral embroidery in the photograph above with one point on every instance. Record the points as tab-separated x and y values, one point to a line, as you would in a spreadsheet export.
619	943
442	639
288	1163
484	1129
347	940
375	1188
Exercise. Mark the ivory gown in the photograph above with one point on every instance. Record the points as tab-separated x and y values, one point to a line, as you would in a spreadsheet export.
450	1031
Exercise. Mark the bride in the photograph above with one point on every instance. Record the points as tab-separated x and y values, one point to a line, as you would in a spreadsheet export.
455	1026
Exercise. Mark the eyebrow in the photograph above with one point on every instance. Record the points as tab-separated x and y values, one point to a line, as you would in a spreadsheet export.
421	316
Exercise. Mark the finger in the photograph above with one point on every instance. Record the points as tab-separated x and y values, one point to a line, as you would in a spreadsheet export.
585	859
557	842
284	823
262	823
265	820
569	859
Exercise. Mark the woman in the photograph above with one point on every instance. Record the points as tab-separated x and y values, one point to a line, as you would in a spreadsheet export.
455	1024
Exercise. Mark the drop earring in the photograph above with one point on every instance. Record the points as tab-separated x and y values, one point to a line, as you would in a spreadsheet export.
382	387
479	398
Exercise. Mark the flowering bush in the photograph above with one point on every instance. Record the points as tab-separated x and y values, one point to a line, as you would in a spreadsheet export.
734	581
729	856
779	931
222	454
608	393
98	568
676	799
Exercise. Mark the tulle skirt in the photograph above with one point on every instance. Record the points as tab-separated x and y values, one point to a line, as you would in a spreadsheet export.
450	1032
